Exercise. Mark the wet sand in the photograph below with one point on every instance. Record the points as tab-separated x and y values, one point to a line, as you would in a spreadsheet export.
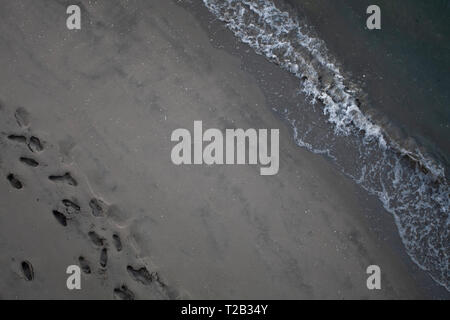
103	103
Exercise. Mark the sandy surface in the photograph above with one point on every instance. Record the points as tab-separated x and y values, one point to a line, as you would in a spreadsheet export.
104	101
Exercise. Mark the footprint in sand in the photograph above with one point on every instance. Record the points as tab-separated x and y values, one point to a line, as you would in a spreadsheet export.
17	138
123	293
65	178
35	144
71	206
117	242
84	264
27	270
60	217
98	207
22	117
104	257
14	181
96	239
29	162
141	275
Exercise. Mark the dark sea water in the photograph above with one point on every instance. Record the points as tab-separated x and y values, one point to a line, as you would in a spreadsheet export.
378	100
404	68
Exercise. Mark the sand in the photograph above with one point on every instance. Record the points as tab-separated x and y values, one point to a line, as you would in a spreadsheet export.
103	102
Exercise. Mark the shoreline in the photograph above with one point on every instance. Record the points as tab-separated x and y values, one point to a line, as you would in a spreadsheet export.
208	232
273	90
313	131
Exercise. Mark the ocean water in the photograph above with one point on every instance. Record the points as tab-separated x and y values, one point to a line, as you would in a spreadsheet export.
408	178
404	69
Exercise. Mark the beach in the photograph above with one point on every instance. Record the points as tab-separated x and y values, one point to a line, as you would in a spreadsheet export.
95	109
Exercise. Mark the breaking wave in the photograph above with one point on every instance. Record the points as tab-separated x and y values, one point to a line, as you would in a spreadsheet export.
410	186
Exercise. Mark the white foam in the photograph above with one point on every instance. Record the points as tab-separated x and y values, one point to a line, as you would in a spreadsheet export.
280	38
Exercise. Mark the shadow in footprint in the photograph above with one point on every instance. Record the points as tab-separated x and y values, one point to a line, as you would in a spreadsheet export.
35	144
17	138
15	183
84	264
27	270
65	178
29	162
117	242
123	293
104	257
96	239
61	218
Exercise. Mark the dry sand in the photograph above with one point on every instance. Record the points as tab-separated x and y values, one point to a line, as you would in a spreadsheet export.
104	101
